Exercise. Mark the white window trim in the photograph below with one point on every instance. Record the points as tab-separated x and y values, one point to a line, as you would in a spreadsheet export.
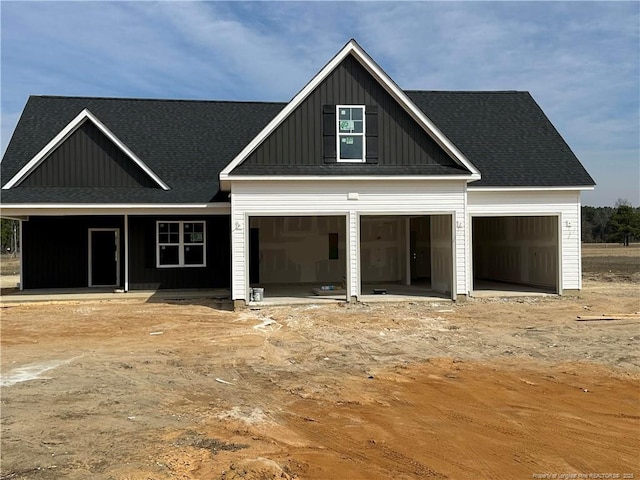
181	244
363	135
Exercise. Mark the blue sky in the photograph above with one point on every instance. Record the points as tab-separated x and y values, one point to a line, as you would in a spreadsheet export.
580	60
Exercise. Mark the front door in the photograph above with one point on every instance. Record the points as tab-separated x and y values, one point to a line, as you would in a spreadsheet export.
104	257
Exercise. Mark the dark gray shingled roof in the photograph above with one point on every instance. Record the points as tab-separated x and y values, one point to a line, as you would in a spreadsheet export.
187	143
506	135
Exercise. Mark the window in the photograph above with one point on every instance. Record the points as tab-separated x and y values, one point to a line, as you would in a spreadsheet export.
180	244
351	132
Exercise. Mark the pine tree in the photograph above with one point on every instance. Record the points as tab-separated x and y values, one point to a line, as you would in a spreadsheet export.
624	223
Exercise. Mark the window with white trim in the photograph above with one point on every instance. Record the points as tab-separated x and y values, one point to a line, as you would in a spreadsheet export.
181	244
351	133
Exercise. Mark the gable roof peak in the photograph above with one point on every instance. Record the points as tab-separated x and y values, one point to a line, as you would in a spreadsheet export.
353	48
84	116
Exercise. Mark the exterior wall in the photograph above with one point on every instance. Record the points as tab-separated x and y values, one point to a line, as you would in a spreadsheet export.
280	198
383	249
565	205
296	249
55	250
299	139
143	273
88	159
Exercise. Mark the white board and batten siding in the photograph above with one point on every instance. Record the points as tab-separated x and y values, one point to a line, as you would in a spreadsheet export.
350	199
563	204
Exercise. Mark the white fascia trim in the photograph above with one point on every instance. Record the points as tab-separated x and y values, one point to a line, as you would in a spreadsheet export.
64	134
411	108
353	48
527	189
315	178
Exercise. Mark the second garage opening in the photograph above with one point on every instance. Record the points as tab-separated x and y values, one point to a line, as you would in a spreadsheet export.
406	255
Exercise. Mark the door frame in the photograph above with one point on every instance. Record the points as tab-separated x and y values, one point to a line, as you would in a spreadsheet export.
90	253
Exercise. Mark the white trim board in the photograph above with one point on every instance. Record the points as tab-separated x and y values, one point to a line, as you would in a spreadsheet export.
352	48
71	127
115	209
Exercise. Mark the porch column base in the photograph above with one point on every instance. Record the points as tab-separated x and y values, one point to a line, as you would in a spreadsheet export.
353	299
239	305
461	298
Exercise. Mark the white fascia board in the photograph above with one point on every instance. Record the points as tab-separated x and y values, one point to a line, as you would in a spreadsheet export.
412	109
349	178
64	134
353	48
528	189
114	209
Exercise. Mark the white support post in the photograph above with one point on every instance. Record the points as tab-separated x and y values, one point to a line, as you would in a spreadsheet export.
126	252
21	263
408	254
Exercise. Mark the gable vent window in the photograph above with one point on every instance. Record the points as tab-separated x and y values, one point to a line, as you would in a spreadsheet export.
351	133
181	244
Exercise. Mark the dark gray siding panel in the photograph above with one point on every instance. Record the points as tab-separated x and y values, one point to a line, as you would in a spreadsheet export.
55	250
88	159
143	272
298	141
55	253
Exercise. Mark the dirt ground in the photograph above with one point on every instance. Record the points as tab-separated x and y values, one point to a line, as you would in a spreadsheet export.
490	388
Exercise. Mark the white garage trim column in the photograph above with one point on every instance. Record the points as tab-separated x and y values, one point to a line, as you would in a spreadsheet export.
239	247
353	256
20	255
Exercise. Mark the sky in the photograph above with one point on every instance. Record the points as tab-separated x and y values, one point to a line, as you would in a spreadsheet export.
579	60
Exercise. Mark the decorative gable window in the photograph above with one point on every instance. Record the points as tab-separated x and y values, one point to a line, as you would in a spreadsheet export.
180	244
351	133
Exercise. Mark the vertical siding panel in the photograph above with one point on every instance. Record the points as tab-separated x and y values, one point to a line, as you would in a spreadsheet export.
88	158
401	140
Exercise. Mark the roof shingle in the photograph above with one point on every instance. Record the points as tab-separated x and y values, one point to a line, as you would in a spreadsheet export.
187	143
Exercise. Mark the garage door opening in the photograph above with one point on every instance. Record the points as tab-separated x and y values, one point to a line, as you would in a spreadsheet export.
515	254
407	256
298	258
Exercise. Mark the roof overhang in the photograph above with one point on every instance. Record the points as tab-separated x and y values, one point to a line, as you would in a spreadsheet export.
225	185
352	48
65	209
71	127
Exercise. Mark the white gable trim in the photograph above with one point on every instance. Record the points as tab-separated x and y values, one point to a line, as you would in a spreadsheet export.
64	134
352	48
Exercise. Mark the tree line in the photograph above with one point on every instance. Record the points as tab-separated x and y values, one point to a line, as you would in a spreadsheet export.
618	224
